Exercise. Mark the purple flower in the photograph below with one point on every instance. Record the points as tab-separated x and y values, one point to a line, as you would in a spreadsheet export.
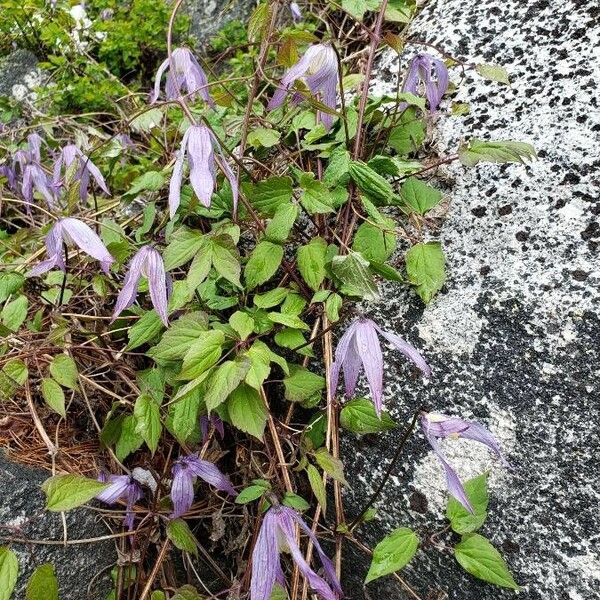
9	172
296	12
122	487
420	71
215	421
188	76
199	144
68	155
318	68
185	471
149	263
32	173
360	345
66	231
436	426
277	534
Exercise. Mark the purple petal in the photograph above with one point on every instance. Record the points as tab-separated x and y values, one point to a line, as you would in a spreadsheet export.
154	269
175	184
163	67
182	490
211	474
133	494
95	172
340	356
128	292
86	240
351	367
265	559
116	490
409	351
201	160
368	348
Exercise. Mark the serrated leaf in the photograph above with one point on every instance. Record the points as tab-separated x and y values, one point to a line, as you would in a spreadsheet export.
204	352
476	151
242	323
129	440
268	195
258	22
226	258
262	264
317	486
247	411
183	413
375	243
393	553
64	370
148	120
294	501
331	465
250	493
426	269
359	416
493	73
352	272
311	262
150	180
288	320
409	135
224	380
261	137
302	385
316	198
420	196
199	269
64	492
9	571
10	282
144	330
176	340
476	555
148	424
183	245
54	396
461	520
14	313
42	584
278	229
181	536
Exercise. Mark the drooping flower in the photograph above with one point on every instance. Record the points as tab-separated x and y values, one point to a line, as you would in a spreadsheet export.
188	77
432	74
296	12
206	421
360	345
9	172
67	231
123	487
199	145
436	427
149	263
68	155
278	534
318	68
33	175
185	471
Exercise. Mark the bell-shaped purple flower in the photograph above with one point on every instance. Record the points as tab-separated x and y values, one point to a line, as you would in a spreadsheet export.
185	471
71	231
278	534
68	155
296	12
432	74
149	263
33	176
9	172
123	487
207	420
199	145
436	427
184	75
318	68
360	345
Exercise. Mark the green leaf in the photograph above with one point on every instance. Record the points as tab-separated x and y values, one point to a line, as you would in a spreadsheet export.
199	269
64	492
148	424
352	272
129	440
393	553
302	385
400	11
183	414
54	396
493	73
176	340
278	229
13	375
183	246
187	592
250	493
476	151
292	338
10	282
478	557
337	169
226	258
225	379
180	534
408	136
42	584
149	216
317	486
150	180
288	320
266	196
64	371
359	416
9	570
242	323
262	264
316	197
14	313
375	243
333	304
271	298
331	465
420	196
461	520
204	352
372	183
357	8
258	22
144	330
261	137
148	120
156	595
247	411
294	501
425	267
311	262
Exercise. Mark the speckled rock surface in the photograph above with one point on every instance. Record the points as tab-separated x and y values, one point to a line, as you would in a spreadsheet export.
514	338
209	16
22	515
19	74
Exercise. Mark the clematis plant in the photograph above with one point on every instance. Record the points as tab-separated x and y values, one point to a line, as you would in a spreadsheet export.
149	263
185	471
206	421
184	74
71	231
296	12
278	534
436	426
432	74
360	345
318	68
71	154
123	487
33	176
199	145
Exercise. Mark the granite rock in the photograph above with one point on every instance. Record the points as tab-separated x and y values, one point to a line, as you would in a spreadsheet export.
82	570
514	336
19	74
209	16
